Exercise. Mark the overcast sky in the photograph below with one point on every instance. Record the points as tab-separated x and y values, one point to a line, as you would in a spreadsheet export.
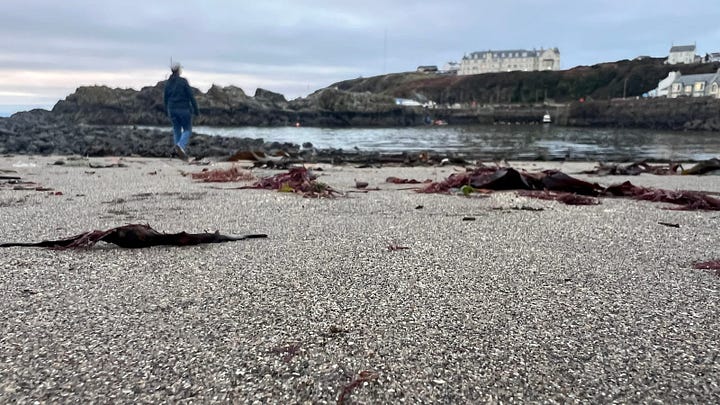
50	47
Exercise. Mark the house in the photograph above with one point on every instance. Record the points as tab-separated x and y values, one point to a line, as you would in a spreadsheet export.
712	57
510	60
663	87
681	54
702	85
451	68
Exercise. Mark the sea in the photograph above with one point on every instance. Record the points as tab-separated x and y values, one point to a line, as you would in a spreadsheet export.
496	142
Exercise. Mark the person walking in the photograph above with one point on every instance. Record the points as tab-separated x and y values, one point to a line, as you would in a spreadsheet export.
180	106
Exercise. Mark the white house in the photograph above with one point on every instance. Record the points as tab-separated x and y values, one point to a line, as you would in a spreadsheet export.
681	54
712	57
663	87
702	85
451	67
510	60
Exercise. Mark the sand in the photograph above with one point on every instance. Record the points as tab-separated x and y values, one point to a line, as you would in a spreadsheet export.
568	304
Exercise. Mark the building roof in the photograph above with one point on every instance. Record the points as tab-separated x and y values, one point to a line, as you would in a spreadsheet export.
692	79
510	53
683	48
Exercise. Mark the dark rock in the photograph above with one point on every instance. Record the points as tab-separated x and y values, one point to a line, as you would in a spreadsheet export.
267	95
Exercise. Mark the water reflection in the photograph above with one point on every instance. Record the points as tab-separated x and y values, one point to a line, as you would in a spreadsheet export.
512	142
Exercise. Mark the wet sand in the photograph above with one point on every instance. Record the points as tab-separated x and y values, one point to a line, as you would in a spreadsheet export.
565	304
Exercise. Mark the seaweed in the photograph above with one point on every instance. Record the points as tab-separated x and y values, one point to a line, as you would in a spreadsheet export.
297	180
687	199
558	186
709	265
221	176
563	197
361	378
133	236
634	169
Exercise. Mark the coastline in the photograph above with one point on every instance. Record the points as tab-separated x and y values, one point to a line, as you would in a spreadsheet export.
568	303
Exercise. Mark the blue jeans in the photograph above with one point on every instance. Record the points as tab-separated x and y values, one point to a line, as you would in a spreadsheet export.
182	126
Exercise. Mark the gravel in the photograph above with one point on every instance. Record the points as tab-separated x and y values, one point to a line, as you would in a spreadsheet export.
568	304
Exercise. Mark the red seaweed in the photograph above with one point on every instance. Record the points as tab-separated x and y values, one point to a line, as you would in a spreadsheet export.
297	180
361	378
709	265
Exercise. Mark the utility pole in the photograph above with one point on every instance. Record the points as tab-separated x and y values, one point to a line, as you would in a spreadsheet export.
625	88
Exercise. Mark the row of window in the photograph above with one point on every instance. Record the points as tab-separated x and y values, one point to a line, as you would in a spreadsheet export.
504	55
698	86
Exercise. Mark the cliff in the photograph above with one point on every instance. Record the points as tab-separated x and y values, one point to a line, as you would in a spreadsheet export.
583	96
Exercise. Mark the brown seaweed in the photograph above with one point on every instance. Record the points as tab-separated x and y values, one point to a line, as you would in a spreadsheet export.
133	236
703	167
687	199
507	178
398	180
558	186
232	174
634	169
563	197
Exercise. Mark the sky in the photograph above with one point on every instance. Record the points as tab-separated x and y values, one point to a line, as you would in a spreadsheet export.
294	47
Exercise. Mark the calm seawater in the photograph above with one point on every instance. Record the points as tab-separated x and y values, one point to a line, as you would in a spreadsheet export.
512	142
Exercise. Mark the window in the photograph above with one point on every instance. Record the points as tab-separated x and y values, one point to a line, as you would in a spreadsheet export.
714	88
699	86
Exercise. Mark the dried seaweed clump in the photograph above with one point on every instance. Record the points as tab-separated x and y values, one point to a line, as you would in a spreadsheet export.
297	180
223	175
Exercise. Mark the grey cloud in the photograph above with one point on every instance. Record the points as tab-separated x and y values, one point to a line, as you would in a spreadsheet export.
322	41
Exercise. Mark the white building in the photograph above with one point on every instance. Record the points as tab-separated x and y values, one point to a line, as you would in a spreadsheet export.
702	85
663	87
451	67
712	57
681	54
510	60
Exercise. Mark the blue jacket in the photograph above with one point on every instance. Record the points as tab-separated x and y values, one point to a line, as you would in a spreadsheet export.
178	95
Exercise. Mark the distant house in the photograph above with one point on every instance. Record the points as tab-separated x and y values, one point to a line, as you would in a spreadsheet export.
427	69
407	102
510	60
702	85
681	54
712	57
663	88
451	67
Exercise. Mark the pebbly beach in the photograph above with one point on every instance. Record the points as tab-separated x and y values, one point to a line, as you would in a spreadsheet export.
382	295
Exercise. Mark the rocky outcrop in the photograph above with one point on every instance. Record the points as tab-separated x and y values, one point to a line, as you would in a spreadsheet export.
41	132
697	114
230	106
